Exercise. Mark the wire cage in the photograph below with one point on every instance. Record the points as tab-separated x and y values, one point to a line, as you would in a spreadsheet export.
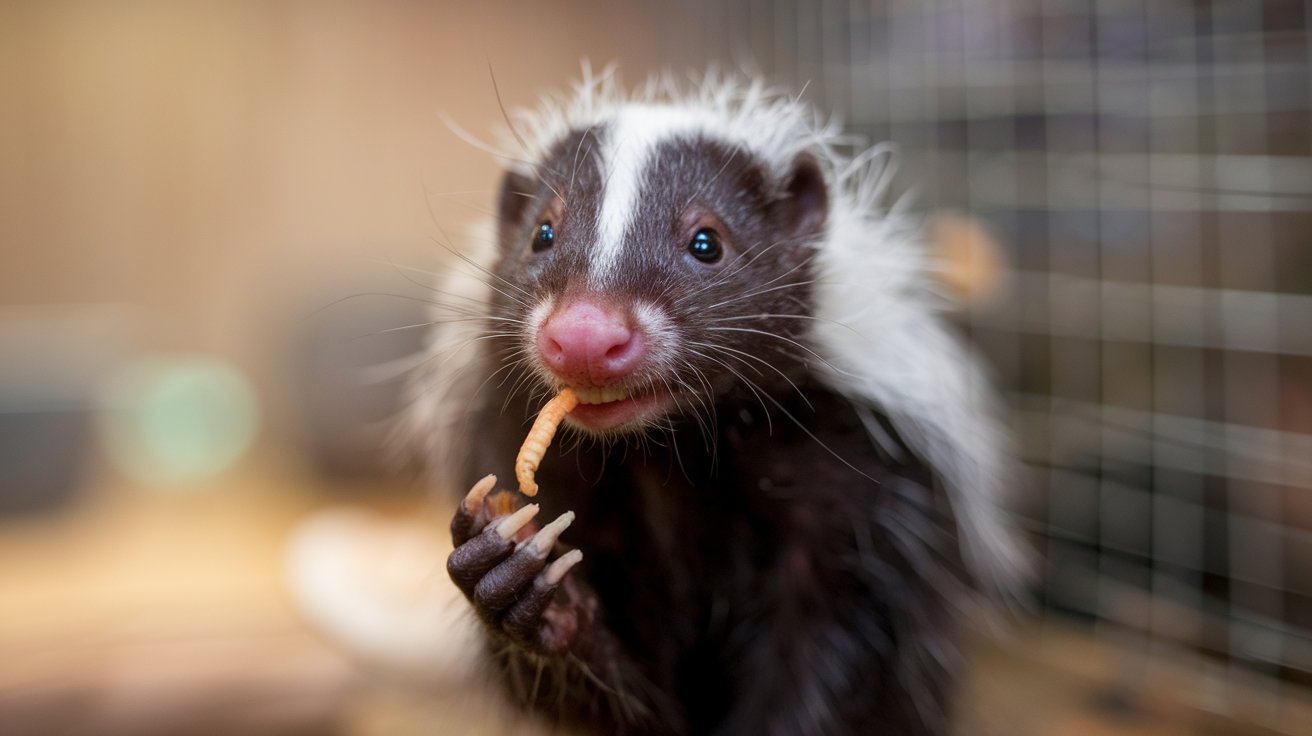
1147	168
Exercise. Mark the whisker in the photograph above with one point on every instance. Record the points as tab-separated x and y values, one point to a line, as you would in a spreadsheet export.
753	294
469	261
777	315
426	286
823	445
729	273
496	91
745	381
481	269
783	338
457	320
723	167
471	140
574	168
736	268
364	294
772	367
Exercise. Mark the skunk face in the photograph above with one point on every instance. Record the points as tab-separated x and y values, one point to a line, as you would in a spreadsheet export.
651	266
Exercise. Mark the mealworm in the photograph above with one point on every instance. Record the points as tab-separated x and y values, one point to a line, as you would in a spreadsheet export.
539	439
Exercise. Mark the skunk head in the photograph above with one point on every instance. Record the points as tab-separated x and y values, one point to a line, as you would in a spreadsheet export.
654	258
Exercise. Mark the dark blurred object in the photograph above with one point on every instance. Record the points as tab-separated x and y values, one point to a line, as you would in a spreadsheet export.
42	458
351	357
51	361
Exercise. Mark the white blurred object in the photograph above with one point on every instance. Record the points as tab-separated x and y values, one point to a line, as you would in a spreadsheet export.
379	588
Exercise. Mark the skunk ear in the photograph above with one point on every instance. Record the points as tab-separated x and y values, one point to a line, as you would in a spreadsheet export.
516	196
806	200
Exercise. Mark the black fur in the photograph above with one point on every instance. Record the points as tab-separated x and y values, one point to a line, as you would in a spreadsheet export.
774	591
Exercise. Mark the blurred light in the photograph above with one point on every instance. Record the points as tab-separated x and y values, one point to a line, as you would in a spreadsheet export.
178	420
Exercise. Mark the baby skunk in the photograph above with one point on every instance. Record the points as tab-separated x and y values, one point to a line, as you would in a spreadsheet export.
783	472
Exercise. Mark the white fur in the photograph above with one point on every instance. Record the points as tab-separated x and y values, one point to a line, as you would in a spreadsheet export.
877	329
662	334
443	388
740	111
630	144
884	346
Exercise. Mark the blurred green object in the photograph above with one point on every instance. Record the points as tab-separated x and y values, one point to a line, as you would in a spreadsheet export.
173	421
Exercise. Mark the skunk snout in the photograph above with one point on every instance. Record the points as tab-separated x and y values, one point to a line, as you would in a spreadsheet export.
587	343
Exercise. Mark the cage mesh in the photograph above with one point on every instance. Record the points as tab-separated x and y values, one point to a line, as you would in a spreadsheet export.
1147	168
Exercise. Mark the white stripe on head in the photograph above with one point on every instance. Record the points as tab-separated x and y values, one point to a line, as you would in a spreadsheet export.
630	145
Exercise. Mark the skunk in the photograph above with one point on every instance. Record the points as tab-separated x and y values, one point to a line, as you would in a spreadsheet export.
782	483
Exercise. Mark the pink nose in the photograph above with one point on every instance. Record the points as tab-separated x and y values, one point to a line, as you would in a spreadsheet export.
586	342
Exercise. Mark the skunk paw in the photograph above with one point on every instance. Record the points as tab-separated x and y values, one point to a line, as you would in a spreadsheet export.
502	566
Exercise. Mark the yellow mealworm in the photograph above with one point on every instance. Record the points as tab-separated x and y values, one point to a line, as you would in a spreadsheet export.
539	439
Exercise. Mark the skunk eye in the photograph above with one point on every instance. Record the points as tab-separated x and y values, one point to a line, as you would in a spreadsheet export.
543	237
705	246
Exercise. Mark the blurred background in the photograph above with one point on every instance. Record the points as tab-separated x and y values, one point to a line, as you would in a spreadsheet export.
216	217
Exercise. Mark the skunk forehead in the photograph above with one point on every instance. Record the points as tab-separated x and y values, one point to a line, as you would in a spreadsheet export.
657	161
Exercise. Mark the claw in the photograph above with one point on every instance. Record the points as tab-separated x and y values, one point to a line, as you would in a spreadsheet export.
472	514
508	526
555	572
545	539
474	499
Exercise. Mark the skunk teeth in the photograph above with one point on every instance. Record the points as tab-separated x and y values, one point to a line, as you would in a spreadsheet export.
600	395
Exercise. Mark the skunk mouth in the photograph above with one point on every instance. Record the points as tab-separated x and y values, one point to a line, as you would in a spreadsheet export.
617	407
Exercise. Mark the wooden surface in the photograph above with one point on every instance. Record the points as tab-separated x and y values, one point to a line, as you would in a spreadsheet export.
141	615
